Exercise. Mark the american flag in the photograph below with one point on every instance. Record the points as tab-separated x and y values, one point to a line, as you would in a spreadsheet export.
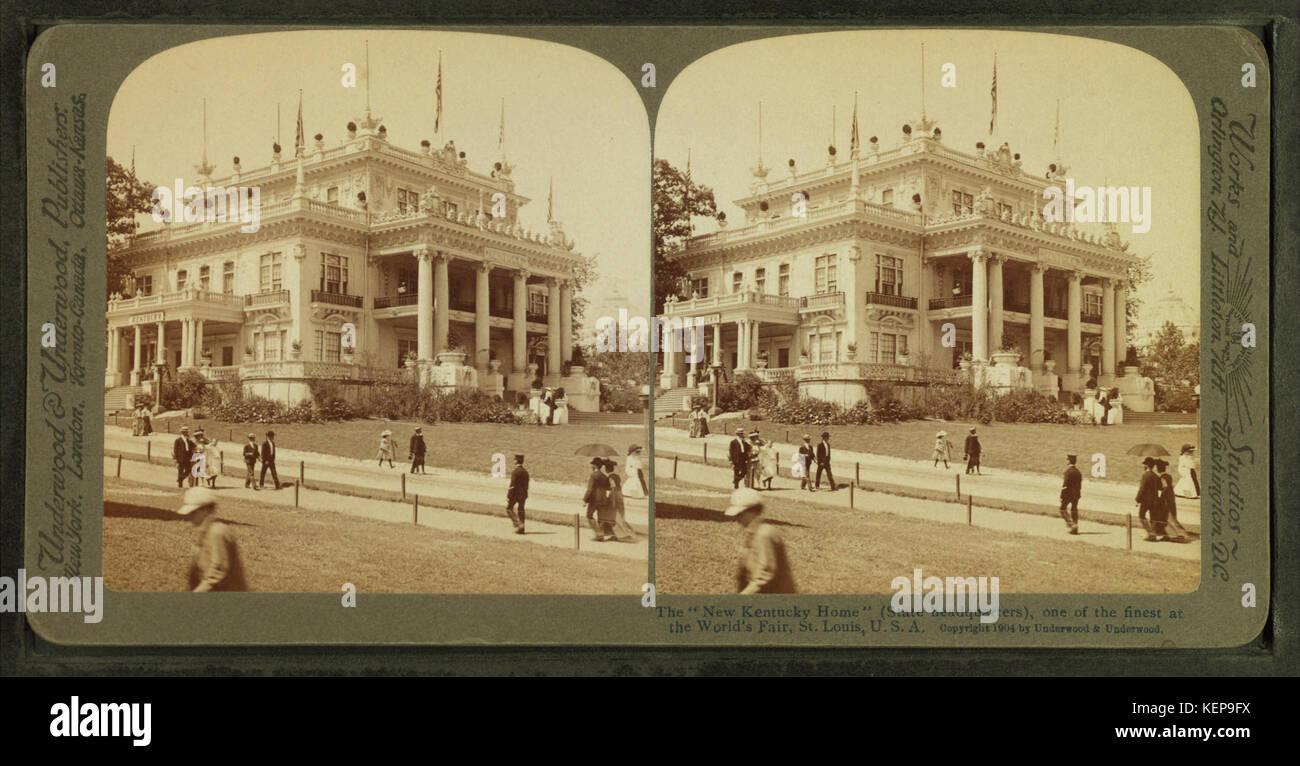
437	119
299	140
994	93
853	135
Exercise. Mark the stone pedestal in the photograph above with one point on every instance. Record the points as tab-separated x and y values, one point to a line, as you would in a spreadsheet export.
580	390
1139	393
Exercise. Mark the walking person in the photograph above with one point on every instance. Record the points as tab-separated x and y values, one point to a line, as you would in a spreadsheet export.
386	448
807	455
182	452
768	464
621	528
824	461
517	495
704	421
751	474
211	461
250	462
417	451
146	421
634	485
268	459
136	420
1148	502
972	450
1188	484
738	454
695	422
216	564
1174	531
942	449
1071	486
597	499
764	566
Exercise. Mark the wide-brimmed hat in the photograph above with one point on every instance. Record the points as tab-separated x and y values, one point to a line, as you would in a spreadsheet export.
807	437
633	448
744	499
1187	448
1148	461
385	432
196	498
598	461
252	436
941	433
972	430
826	434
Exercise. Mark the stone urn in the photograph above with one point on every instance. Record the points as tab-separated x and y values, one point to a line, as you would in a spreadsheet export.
577	370
964	364
494	366
410	362
1006	358
454	358
1050	366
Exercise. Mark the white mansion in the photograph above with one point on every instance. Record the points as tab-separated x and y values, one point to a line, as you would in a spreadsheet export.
891	246
399	244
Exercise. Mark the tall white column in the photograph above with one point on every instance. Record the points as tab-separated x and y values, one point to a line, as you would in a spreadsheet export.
424	303
135	357
924	290
717	343
754	344
1074	331
979	307
1121	327
482	348
742	345
1036	339
111	360
187	336
160	355
441	302
198	340
519	350
566	321
995	300
1107	375
553	327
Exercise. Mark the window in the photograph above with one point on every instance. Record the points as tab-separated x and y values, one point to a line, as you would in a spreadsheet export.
1092	304
144	285
333	273
760	280
268	346
887	197
889	275
1004	210
406	346
407	201
825	273
270	277
537	302
736	279
700	287
962	202
826	346
886	347
328	345
205	278
332	195
783	280
228	278
181	276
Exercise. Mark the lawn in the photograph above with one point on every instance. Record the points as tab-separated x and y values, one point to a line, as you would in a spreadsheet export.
1039	447
836	551
460	446
147	548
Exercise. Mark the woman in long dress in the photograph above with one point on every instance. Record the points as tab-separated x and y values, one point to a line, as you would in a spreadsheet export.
768	463
1188	484
386	448
695	422
704	422
135	421
634	482
146	421
211	462
622	530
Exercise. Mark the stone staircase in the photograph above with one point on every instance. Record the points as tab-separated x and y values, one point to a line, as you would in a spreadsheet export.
120	398
669	402
1161	418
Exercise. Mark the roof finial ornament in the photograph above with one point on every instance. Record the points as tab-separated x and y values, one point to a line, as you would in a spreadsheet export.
368	123
204	169
759	171
924	125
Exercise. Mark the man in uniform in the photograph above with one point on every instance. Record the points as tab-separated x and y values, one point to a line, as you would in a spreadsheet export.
268	459
417	451
824	460
764	567
597	500
738	454
1148	501
250	462
517	494
972	450
1071	484
807	455
216	565
182	452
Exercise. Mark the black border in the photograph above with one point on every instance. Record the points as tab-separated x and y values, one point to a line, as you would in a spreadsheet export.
1275	652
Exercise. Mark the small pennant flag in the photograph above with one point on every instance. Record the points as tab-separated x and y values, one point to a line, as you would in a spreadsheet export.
993	118
299	140
437	118
853	135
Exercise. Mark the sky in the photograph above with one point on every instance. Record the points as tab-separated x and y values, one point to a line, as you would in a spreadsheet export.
1125	118
570	117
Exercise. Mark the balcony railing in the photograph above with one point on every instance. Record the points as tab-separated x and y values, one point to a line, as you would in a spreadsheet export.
267	298
823	301
168	299
885	299
1091	318
389	301
948	303
692	306
337	299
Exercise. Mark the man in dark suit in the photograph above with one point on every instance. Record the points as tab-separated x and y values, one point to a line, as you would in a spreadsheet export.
824	460
250	462
517	494
268	459
182	453
1071	484
597	500
807	456
738	454
417	451
972	450
1148	501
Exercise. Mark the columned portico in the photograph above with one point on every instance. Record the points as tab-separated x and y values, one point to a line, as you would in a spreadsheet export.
482	349
566	322
1121	327
519	334
1106	376
1074	333
441	299
1036	335
717	344
742	344
160	351
553	370
424	297
979	306
995	300
135	357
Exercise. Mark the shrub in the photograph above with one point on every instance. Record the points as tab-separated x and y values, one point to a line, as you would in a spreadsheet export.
186	390
700	400
621	399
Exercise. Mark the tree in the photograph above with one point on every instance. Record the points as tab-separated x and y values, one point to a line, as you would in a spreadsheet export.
126	197
1138	274
676	200
1171	359
583	274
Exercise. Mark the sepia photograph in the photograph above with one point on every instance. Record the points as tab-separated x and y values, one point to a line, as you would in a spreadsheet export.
940	293
353	277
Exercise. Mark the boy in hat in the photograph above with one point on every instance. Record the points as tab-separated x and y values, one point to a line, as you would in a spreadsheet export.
216	565
806	456
517	494
182	452
417	451
597	499
250	462
763	567
972	450
1148	501
1071	484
